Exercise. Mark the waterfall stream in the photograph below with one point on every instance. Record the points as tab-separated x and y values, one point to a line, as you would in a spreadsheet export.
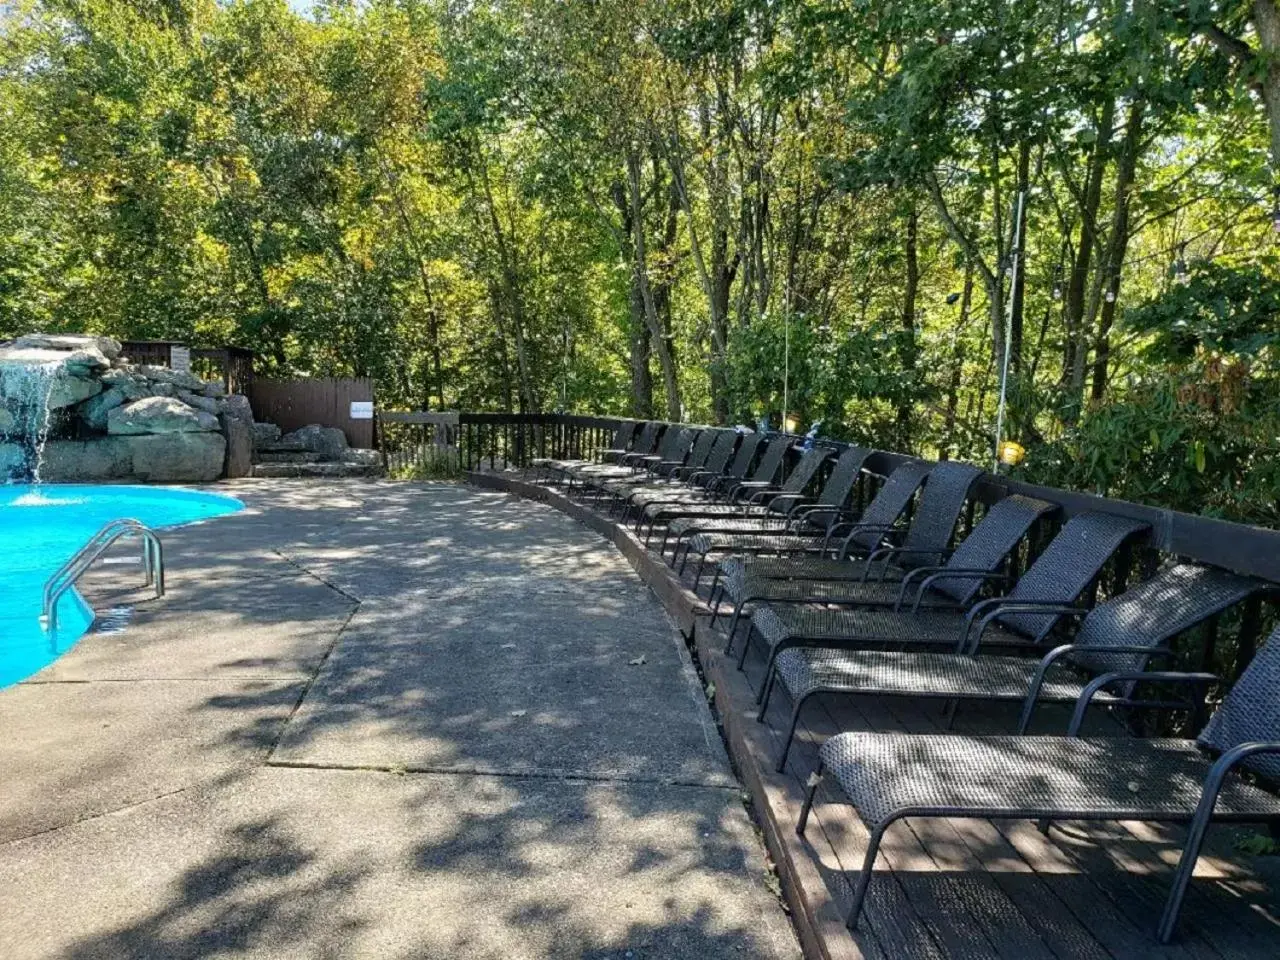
25	416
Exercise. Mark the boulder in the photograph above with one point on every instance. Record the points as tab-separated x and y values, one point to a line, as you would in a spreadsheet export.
94	410
199	401
105	458
110	349
180	379
68	391
239	458
329	442
85	362
236	405
265	433
159	389
366	458
7	421
159	415
212	388
178	457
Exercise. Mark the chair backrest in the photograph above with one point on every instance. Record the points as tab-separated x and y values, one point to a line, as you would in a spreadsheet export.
1251	710
623	436
945	492
721	450
770	463
648	438
1155	611
844	474
675	443
701	449
990	542
746	455
806	469
889	502
1068	565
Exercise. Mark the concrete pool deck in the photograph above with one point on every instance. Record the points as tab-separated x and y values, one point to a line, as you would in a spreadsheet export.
377	720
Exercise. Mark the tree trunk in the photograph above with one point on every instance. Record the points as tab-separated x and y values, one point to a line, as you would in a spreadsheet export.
907	348
957	364
1117	244
640	265
640	352
1074	354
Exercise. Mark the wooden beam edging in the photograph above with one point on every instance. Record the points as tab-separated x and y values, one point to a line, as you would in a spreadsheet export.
817	916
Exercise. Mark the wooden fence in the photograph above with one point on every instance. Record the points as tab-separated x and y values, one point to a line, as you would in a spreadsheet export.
296	403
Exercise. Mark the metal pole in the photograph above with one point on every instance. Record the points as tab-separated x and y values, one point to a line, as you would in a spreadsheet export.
1015	265
786	366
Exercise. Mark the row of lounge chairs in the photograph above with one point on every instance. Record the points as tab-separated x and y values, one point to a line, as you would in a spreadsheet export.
880	601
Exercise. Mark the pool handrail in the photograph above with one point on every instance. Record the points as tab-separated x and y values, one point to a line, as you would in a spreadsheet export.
66	576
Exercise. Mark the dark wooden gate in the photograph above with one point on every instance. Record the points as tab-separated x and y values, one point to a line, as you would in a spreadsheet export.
296	403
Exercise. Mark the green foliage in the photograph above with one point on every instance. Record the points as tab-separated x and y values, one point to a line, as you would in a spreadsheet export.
661	206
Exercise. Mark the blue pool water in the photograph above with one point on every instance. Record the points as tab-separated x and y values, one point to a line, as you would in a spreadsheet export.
41	528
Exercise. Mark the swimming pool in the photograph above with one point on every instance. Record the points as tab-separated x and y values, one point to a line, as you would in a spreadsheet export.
41	528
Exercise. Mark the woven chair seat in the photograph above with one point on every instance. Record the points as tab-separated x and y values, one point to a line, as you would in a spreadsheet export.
808	670
1068	778
721	512
810	626
755	540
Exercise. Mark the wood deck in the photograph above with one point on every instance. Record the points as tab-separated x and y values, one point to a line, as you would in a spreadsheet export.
955	888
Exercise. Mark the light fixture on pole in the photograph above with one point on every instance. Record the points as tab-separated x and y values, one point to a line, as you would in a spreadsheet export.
1014	265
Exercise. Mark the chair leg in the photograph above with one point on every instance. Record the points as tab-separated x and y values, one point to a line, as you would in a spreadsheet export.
791	735
864	878
1195	839
949	719
733	628
697	573
764	700
815	779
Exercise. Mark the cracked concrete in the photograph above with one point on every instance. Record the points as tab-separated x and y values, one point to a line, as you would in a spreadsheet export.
377	720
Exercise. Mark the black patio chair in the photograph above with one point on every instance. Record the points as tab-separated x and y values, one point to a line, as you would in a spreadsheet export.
664	474
646	442
621	442
675	444
786	513
756	497
690	480
888	776
940	614
811	529
927	540
745	476
737	576
1122	633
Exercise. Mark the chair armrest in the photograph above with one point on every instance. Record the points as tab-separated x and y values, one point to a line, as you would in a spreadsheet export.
959	573
1037	680
856	529
994	607
886	555
1163	676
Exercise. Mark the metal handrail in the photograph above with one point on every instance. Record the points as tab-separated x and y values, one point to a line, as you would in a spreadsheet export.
66	576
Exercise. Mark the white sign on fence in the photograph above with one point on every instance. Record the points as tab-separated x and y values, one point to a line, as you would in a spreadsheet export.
361	409
180	358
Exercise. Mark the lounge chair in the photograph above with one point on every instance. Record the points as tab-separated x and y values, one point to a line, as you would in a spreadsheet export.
746	475
786	513
664	474
621	443
756	498
887	776
691	479
747	579
811	530
1122	633
675	444
1055	580
979	560
927	540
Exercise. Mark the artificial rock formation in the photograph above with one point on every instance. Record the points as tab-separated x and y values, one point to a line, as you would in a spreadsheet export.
73	408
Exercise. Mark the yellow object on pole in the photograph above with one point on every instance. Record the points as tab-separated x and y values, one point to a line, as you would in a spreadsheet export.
1012	453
